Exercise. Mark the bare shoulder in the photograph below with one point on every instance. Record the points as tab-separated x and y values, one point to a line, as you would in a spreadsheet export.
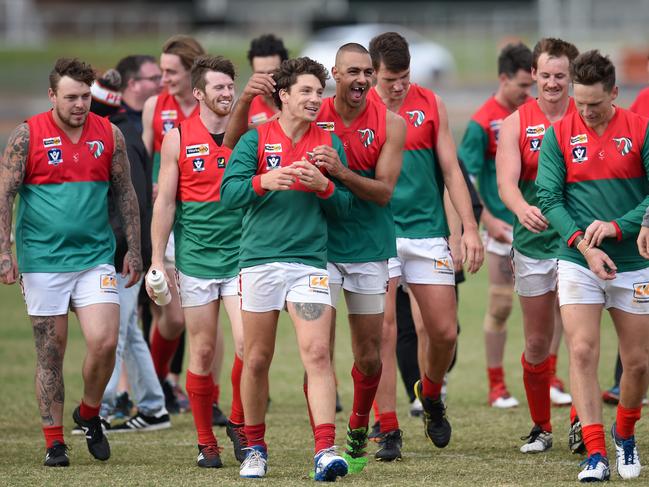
150	103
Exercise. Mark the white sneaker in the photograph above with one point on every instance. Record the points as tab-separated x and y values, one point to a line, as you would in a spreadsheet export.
559	398
537	441
329	465
255	465
505	402
416	408
595	470
627	461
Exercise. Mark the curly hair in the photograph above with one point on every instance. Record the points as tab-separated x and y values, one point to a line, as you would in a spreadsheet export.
286	75
267	45
591	68
73	68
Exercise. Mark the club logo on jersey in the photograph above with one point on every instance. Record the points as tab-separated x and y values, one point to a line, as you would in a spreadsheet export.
535	130
494	126
108	283
54	157
52	142
96	148
579	139
328	126
197	150
199	164
273	161
319	283
444	266
220	162
535	145
168	114
273	147
258	118
416	117
623	145
579	154
641	292
367	137
167	125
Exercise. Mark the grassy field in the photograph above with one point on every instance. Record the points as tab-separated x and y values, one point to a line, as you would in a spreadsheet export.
483	450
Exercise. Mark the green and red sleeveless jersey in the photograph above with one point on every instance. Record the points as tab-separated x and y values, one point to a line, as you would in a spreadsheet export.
259	111
584	176
281	226
167	115
641	103
62	223
417	201
367	234
207	235
478	152
532	127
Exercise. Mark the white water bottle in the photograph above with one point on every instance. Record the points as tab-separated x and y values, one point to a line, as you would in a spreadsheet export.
156	281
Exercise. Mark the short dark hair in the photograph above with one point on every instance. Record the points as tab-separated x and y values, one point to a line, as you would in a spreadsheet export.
185	47
73	68
391	48
286	75
513	58
553	47
205	63
591	68
129	67
267	45
351	47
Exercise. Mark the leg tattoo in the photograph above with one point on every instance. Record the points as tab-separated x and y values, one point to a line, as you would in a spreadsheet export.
49	366
309	311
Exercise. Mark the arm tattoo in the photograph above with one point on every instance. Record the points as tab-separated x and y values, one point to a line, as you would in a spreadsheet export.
12	173
126	199
309	311
49	367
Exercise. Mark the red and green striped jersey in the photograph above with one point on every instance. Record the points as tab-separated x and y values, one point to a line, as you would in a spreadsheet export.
478	152
281	226
166	116
532	128
62	223
207	235
367	234
417	202
641	103
584	177
260	111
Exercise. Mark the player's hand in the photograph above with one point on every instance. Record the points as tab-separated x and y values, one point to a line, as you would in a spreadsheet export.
280	179
258	84
600	263
310	176
159	267
132	267
326	157
8	268
598	231
532	219
643	242
472	250
498	229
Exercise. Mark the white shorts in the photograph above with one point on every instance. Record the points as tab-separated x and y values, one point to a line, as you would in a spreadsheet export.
54	293
424	261
169	259
268	287
533	277
360	277
394	267
629	291
196	291
495	247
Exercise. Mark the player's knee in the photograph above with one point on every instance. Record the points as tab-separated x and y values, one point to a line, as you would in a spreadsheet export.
204	356
103	349
582	355
537	347
369	363
636	367
445	338
317	355
257	363
499	308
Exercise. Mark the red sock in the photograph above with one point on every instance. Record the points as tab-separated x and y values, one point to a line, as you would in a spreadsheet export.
52	434
389	421
553	364
573	414
324	435
255	434
536	379
88	412
625	421
236	413
305	388
161	352
216	393
431	389
594	438
375	408
364	391
199	389
496	376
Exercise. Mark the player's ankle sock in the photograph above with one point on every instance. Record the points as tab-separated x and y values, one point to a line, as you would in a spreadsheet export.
199	389
431	389
573	414
375	408
364	392
52	434
236	414
305	388
162	350
324	436
536	379
496	376
88	412
389	421
594	438
255	434
625	421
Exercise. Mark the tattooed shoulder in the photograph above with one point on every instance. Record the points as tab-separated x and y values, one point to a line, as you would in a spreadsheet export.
120	159
16	152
